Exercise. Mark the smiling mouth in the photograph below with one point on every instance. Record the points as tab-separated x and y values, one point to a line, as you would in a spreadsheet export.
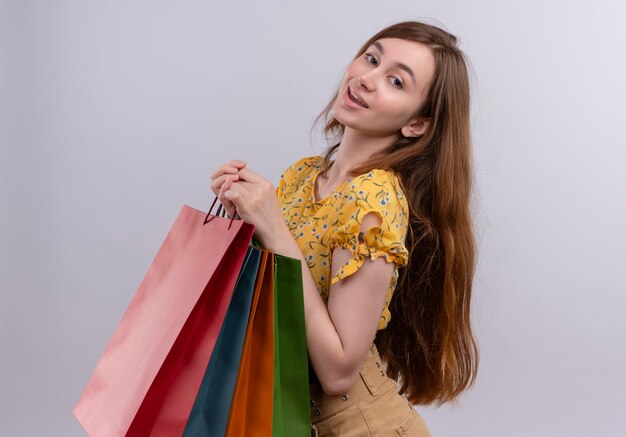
355	99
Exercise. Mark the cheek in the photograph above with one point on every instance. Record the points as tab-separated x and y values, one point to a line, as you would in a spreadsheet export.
391	107
393	113
352	71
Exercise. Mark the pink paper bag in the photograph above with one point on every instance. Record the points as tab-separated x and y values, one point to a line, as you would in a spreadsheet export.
196	254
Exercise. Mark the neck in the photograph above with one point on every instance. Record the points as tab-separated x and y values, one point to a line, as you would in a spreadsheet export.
354	149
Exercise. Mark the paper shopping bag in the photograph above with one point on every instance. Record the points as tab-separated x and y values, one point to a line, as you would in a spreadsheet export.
198	262
209	414
291	413
168	403
250	412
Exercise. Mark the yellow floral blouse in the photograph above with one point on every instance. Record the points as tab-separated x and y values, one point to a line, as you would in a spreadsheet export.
319	227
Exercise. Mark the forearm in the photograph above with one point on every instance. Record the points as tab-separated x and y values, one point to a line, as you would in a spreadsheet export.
324	342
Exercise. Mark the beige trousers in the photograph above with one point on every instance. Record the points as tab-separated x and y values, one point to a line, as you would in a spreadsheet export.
372	407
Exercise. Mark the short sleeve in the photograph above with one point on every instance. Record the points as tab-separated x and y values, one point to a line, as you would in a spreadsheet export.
377	193
290	173
280	188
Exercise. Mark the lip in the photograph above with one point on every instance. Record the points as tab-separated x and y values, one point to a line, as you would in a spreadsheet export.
348	102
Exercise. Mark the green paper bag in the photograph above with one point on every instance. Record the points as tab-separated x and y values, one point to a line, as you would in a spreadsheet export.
291	414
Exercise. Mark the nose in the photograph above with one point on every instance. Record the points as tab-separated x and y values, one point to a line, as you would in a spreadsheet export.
365	81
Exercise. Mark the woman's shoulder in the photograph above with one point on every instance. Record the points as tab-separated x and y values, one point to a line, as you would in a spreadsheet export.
312	161
380	182
302	165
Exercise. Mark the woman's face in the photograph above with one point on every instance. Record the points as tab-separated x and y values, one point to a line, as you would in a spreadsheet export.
391	77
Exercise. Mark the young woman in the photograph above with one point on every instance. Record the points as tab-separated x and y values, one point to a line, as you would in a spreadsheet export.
388	217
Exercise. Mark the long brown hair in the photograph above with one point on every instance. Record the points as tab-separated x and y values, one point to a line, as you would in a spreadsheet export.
428	344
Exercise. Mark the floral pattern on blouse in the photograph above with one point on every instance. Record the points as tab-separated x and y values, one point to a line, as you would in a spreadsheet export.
334	221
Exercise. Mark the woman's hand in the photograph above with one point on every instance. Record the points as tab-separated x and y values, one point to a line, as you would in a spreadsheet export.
256	202
221	181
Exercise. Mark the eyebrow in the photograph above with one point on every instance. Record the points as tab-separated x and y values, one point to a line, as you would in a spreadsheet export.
404	67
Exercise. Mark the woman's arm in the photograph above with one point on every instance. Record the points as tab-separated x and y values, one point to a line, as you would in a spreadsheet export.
339	336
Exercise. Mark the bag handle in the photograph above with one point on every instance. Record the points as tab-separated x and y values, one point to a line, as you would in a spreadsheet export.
220	212
254	242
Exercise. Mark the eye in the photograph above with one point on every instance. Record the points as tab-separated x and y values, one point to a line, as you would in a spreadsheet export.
369	56
399	81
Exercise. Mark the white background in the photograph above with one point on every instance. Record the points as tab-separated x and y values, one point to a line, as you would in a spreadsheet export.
113	114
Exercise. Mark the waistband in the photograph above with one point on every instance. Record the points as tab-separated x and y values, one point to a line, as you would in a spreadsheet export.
372	377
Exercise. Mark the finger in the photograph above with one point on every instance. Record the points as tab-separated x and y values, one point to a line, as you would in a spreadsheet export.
229	182
239	187
249	186
236	192
246	174
217	183
237	163
229	205
262	185
220	194
224	169
231	167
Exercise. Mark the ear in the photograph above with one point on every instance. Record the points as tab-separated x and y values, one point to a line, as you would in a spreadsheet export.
415	128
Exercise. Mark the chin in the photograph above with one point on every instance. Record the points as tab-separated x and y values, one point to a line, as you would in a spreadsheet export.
340	116
341	120
356	125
